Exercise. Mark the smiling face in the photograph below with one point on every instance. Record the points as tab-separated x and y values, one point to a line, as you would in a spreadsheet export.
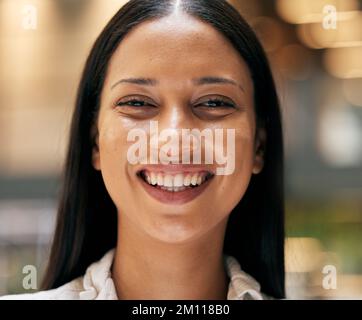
183	74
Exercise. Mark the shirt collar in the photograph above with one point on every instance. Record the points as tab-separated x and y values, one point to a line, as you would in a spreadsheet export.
242	286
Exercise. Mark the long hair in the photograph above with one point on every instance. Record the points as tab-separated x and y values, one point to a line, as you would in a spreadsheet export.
87	218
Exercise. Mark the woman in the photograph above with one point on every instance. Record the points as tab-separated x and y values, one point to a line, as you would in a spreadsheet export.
123	232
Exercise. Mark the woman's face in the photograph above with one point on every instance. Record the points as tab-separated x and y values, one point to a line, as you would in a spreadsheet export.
170	71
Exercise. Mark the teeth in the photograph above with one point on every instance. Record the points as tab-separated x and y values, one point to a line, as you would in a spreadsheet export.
178	181
168	181
160	179
187	180
174	183
194	179
153	179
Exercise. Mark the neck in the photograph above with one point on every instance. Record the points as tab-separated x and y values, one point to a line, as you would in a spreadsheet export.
147	268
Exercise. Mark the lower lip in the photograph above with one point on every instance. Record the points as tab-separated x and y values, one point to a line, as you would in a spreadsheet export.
180	197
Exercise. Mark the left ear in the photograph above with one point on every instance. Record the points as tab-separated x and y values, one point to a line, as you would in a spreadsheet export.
259	150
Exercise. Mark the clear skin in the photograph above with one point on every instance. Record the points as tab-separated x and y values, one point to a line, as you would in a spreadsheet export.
174	251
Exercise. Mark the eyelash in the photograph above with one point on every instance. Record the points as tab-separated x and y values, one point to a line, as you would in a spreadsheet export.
216	101
133	100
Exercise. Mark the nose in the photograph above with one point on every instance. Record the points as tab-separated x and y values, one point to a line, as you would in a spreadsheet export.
172	119
175	115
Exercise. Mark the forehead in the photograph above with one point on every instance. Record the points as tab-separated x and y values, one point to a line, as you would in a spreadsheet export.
177	47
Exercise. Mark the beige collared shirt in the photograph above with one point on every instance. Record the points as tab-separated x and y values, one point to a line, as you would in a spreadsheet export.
97	284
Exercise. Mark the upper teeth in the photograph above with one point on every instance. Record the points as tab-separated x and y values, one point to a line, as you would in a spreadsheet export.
175	181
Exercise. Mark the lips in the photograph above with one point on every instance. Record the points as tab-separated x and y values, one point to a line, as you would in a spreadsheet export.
174	184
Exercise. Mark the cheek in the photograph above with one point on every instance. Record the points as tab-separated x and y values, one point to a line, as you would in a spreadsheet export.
111	147
244	151
113	158
231	188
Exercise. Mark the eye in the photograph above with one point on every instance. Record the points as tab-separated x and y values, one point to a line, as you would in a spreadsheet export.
214	107
134	102
217	103
136	106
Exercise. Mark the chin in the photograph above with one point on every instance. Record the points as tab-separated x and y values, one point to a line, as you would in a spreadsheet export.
175	232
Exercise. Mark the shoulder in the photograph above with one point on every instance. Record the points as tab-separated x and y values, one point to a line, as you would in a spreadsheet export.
68	291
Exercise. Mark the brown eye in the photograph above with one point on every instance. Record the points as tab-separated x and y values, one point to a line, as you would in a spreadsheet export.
134	102
217	103
138	107
214	108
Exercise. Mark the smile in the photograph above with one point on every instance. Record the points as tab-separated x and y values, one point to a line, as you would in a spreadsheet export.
174	186
175	183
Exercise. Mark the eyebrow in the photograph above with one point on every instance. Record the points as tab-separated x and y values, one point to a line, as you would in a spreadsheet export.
216	80
198	81
139	81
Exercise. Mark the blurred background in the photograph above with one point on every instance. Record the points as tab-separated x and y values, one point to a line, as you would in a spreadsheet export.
315	47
